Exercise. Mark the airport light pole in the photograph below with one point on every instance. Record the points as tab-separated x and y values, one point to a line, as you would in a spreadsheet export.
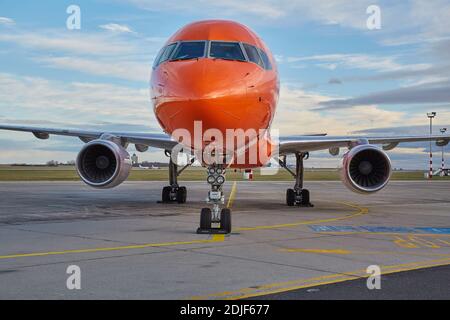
431	115
443	130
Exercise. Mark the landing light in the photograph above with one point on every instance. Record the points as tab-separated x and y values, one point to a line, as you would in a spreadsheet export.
220	179
211	179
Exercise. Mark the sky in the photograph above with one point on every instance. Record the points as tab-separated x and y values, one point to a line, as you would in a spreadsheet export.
337	75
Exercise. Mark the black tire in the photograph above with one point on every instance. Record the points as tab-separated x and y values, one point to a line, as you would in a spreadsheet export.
166	194
290	197
205	218
181	195
225	220
305	197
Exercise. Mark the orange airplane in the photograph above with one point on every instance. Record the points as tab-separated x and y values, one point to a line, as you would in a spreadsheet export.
214	89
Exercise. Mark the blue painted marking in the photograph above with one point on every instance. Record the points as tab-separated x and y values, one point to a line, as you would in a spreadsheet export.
388	229
334	228
380	229
435	230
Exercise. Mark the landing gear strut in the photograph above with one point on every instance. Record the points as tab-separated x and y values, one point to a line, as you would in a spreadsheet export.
173	192
297	196
215	215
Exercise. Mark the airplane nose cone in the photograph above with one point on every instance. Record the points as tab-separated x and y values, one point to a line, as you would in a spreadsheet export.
207	90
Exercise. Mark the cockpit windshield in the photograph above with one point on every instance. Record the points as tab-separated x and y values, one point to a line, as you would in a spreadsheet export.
189	50
253	54
226	50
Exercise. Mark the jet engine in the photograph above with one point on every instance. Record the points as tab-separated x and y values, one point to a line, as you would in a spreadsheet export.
103	164
366	169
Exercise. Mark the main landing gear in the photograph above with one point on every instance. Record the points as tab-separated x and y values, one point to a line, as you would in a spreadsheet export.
297	196
173	192
216	215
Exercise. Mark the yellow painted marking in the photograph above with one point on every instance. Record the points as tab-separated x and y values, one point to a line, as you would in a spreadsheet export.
423	242
278	287
443	241
215	238
404	243
325	251
218	237
343	251
360	211
232	195
385	233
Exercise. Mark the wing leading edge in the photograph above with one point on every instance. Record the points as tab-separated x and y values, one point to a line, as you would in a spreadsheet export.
307	144
142	140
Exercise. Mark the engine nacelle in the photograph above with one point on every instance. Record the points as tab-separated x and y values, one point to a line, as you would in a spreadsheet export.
366	169
103	164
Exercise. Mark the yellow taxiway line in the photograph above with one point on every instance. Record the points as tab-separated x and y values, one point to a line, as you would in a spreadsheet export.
323	251
385	233
279	287
215	238
362	252
232	195
359	211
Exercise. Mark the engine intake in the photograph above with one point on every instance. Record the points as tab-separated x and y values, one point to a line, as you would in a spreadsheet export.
103	164
366	169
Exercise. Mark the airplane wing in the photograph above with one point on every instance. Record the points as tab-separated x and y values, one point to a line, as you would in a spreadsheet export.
289	145
141	140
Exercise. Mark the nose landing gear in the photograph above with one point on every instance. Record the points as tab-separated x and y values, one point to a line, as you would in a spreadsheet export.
215	215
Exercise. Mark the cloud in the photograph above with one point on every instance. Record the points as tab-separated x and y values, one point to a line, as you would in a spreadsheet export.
429	18
7	21
279	58
359	61
102	54
295	115
266	9
81	43
438	70
416	22
128	70
349	14
433	73
403	22
114	27
441	49
39	98
334	81
426	93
